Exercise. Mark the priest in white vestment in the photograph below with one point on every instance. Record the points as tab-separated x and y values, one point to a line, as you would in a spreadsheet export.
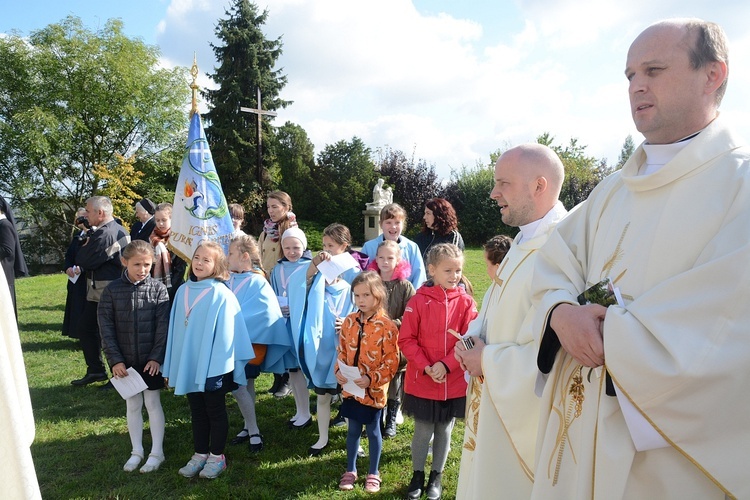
649	398
497	460
17	475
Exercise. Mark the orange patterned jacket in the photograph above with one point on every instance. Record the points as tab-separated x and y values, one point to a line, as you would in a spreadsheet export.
378	355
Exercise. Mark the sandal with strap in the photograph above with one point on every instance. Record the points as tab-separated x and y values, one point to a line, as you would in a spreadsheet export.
372	483
347	481
242	437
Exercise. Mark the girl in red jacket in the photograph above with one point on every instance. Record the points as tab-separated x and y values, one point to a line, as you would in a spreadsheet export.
435	386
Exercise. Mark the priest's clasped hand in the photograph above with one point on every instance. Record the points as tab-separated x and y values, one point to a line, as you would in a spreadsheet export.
471	359
580	331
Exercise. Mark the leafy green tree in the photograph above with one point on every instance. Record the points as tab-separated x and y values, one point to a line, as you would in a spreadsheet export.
71	99
582	172
295	155
413	182
478	215
246	62
342	181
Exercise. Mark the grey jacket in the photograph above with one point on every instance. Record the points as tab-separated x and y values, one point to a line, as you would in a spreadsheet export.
133	321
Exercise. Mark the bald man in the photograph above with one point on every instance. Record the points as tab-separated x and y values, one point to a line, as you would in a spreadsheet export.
497	460
649	398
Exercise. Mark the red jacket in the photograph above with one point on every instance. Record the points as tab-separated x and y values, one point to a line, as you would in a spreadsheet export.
424	339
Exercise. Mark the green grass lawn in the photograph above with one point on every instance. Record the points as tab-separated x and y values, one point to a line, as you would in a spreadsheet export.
82	439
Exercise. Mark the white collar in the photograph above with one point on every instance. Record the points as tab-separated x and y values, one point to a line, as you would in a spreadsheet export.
533	229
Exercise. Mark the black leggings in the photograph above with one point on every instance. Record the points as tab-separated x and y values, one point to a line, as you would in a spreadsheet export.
210	421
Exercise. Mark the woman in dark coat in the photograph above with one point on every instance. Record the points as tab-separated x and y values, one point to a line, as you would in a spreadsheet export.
76	298
11	256
439	225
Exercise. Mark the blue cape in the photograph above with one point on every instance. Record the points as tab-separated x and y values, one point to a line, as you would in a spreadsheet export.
214	342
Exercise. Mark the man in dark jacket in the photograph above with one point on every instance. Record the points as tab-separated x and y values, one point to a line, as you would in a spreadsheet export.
99	258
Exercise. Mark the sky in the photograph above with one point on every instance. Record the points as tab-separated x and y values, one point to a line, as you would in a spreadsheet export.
446	81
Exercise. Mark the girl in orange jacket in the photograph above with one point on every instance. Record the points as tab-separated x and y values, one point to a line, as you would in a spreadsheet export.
369	342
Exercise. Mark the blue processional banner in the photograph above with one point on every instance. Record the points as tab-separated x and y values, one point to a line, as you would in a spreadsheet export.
200	210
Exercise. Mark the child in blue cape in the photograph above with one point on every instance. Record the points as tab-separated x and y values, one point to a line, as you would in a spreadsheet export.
208	347
318	336
288	282
393	223
265	324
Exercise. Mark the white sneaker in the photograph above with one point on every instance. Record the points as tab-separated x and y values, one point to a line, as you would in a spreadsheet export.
399	417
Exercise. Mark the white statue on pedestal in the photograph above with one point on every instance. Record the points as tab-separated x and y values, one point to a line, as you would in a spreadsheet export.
380	196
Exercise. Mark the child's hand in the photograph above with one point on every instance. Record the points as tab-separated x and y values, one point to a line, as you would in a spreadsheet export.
321	257
119	370
285	311
152	368
341	379
437	372
338	323
363	382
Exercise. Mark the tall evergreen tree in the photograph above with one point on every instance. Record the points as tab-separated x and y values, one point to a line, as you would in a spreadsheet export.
246	61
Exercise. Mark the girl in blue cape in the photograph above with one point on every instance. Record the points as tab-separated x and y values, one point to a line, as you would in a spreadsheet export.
288	282
208	347
318	336
265	324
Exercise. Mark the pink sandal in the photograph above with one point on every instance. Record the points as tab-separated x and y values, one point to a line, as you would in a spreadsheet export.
372	483
347	481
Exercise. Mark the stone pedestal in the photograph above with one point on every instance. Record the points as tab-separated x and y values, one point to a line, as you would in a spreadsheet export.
372	222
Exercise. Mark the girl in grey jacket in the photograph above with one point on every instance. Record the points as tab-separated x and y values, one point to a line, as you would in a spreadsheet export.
133	318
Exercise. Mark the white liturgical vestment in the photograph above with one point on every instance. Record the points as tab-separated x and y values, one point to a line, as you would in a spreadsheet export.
497	459
677	244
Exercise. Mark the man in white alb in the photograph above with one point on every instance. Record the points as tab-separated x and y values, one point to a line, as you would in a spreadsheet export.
497	460
649	398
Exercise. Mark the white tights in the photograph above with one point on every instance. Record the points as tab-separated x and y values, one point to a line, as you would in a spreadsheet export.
324	419
155	419
301	397
246	401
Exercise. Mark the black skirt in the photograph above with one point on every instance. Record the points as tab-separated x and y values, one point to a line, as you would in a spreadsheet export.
154	382
362	414
431	410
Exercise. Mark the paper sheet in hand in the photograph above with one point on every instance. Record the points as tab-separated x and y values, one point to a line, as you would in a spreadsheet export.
332	269
351	373
75	277
129	386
